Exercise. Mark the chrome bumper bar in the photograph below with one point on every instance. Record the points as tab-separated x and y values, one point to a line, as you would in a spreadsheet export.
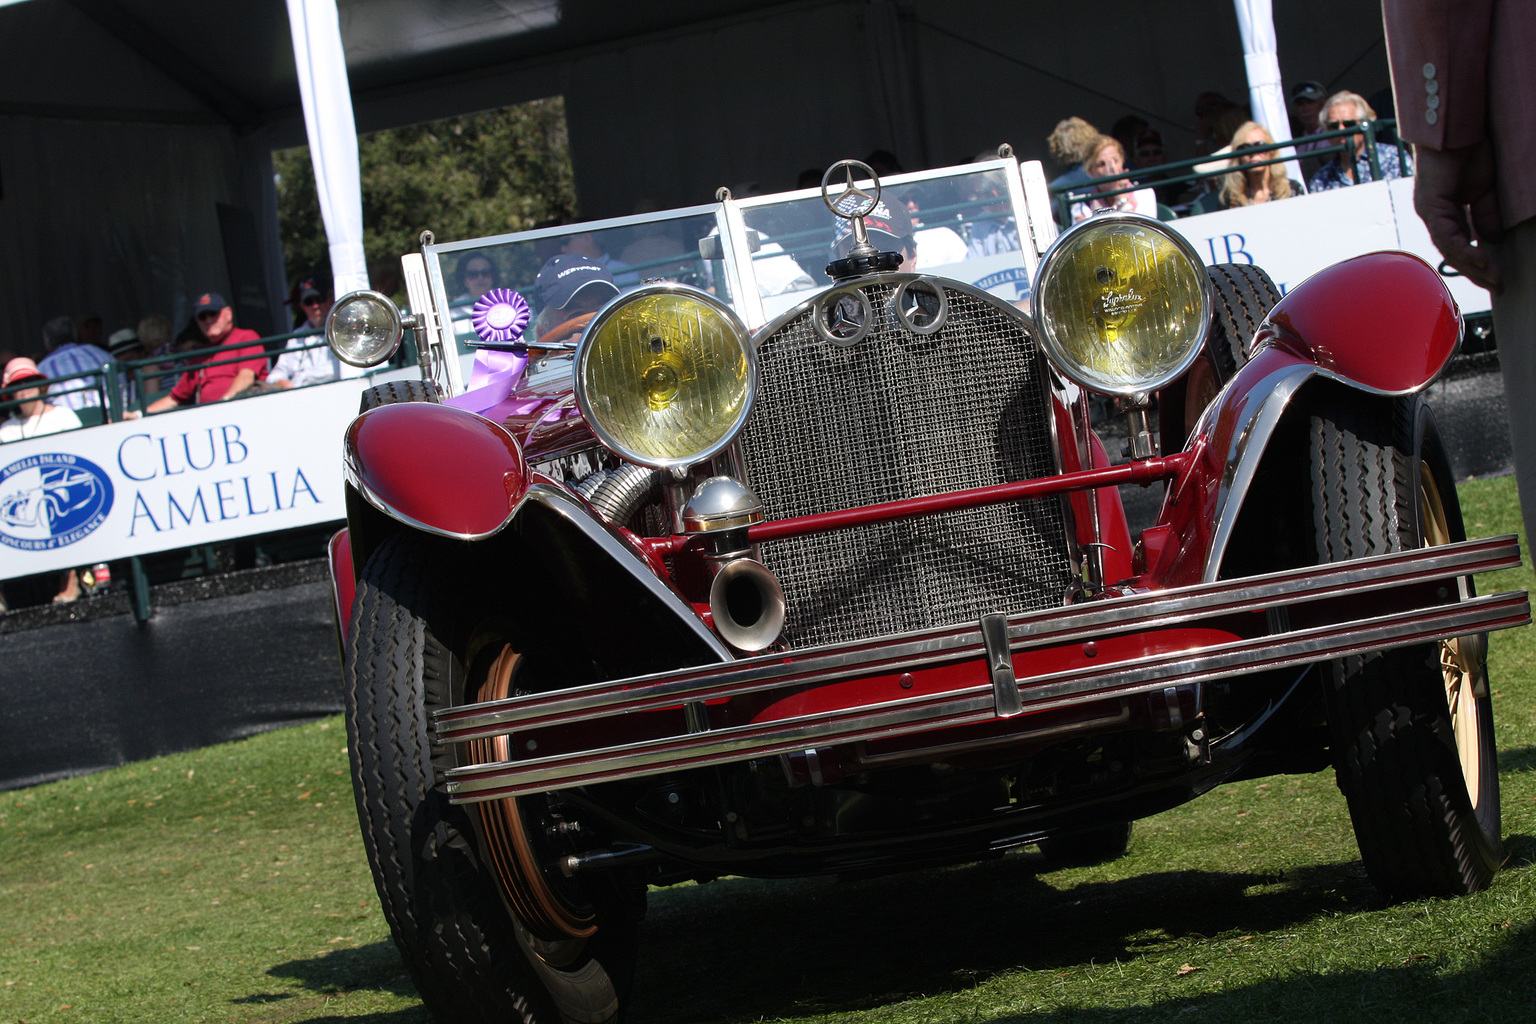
1060	658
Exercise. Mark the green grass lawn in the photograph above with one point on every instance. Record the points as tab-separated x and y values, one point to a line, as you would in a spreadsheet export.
228	884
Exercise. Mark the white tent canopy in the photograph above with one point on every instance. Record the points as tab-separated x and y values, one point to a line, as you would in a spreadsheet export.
135	135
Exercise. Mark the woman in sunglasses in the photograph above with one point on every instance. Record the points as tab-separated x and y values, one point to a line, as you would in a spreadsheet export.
477	275
1249	182
1346	110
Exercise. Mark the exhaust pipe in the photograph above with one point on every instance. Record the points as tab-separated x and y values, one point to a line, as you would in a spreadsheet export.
747	604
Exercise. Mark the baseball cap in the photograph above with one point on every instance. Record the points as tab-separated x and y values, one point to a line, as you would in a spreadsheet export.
122	340
1148	137
209	302
565	275
309	288
19	369
889	226
1308	91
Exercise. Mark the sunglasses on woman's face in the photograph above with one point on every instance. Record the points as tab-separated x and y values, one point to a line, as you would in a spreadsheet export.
1339	125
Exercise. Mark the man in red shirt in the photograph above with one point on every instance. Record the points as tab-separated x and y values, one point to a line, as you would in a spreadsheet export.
202	383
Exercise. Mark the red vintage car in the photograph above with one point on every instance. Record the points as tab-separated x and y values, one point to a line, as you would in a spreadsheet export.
774	538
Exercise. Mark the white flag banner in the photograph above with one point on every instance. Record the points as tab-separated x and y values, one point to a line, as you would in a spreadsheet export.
327	97
1261	57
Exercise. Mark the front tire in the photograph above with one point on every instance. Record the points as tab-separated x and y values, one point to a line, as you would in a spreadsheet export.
1412	728
471	959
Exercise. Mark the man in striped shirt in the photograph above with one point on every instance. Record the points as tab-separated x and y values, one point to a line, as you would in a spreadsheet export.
68	355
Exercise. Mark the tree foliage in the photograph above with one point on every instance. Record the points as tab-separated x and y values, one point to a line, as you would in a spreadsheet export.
462	177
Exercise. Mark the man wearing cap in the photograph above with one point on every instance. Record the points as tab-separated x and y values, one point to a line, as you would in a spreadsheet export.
205	383
1306	103
572	289
299	366
68	355
34	415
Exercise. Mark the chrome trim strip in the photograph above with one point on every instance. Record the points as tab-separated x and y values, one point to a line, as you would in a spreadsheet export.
974	704
1247	449
1055	626
1250	440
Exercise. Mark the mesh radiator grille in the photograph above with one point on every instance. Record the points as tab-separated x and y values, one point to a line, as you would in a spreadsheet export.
901	415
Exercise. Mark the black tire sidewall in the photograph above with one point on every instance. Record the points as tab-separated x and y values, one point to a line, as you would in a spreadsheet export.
468	957
1394	749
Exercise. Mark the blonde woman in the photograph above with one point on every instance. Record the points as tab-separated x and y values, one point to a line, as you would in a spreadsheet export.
1107	157
1248	184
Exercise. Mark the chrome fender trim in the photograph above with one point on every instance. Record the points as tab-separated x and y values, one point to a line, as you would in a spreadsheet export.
1260	405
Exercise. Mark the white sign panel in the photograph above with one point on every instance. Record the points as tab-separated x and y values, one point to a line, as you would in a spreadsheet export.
196	476
1295	238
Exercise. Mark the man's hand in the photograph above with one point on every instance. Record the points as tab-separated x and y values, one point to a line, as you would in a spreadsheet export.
1448	185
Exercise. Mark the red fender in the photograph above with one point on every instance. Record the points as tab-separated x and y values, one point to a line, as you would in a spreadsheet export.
436	468
1384	321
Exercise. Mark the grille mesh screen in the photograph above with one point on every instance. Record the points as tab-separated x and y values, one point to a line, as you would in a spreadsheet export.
896	416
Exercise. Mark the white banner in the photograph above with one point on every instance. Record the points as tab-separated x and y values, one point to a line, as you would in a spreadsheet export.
201	475
1295	238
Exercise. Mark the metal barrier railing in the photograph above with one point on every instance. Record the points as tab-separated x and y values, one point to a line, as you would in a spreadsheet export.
121	385
1063	197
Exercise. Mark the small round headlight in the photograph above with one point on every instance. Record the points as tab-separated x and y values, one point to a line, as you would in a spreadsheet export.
364	328
1123	304
665	375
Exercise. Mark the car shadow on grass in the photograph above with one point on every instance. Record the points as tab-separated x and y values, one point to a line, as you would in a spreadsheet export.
805	946
1517	759
1420	989
374	967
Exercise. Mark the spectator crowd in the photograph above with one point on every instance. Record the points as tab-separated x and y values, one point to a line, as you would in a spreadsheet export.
61	384
1124	168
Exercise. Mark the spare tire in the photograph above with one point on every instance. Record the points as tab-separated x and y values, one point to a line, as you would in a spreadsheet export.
397	391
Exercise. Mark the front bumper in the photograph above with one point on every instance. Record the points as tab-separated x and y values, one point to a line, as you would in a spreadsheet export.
1002	668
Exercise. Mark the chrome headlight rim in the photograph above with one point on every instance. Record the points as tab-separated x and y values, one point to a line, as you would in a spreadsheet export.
1066	243
395	327
614	307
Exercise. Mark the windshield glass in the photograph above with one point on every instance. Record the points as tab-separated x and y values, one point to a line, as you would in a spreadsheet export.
958	223
567	272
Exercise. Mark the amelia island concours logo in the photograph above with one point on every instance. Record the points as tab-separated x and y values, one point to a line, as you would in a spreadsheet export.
51	501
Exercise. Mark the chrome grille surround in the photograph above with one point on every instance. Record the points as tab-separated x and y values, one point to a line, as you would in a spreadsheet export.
901	415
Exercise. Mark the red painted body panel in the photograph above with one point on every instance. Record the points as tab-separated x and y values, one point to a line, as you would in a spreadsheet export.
1384	320
343	578
451	472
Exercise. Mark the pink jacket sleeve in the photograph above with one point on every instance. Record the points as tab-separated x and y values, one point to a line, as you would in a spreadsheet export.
1439	54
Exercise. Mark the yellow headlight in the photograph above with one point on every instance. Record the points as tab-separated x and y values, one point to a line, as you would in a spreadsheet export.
665	376
1123	304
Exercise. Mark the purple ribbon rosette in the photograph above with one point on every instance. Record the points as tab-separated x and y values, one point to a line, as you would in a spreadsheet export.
500	316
